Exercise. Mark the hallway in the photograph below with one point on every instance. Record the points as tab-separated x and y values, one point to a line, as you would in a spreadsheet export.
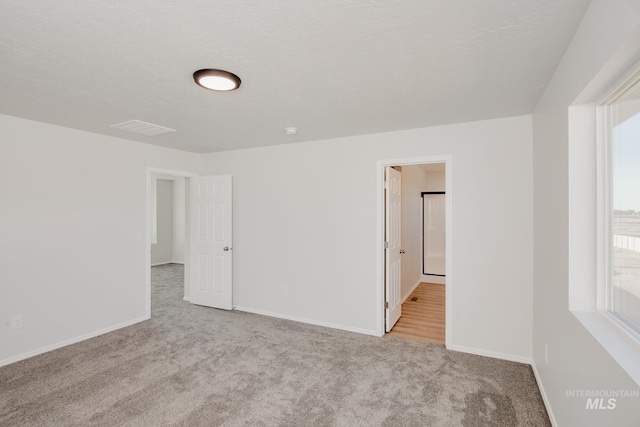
423	315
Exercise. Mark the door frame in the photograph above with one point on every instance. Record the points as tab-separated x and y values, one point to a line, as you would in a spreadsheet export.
150	172
380	252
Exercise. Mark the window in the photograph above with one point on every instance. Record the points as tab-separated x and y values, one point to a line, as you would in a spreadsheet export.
604	163
621	216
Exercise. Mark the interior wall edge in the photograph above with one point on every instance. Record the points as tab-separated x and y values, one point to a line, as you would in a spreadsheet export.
48	348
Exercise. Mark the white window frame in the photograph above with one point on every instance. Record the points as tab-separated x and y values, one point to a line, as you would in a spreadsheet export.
588	219
605	207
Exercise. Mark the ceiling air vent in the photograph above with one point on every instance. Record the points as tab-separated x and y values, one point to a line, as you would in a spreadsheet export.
142	128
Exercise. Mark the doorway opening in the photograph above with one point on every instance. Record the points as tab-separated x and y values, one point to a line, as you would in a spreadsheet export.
167	224
417	279
167	220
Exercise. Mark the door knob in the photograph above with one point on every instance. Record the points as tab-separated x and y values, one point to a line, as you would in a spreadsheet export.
226	248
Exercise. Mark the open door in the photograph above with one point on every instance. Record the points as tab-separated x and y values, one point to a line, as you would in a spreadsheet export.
210	241
393	261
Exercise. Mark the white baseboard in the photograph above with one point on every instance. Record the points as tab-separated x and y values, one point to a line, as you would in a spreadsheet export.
411	291
185	298
70	341
545	399
308	321
493	354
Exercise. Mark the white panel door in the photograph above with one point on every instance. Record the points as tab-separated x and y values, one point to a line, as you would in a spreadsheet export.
393	262
210	237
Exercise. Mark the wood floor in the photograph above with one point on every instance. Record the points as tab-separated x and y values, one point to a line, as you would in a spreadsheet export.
423	319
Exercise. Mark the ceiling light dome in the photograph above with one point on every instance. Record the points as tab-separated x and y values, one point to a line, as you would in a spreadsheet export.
217	80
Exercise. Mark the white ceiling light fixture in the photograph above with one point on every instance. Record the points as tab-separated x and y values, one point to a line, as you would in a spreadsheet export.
291	131
219	80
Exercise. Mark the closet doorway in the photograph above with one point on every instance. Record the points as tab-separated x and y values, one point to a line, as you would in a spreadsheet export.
167	225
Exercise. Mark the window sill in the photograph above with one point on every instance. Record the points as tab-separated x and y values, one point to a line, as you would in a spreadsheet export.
624	348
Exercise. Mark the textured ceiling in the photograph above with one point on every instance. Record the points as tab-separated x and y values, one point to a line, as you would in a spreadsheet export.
328	67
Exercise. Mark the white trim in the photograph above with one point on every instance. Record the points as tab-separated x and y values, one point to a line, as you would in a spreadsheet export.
308	321
543	393
406	297
185	298
630	79
70	341
153	226
604	171
380	297
170	174
602	215
492	354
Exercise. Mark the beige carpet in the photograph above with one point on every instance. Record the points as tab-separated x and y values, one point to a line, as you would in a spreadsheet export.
195	366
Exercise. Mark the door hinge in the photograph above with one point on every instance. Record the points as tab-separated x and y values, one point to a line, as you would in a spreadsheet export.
386	304
386	185
386	244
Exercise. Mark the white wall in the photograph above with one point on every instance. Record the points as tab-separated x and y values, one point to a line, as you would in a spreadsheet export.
305	217
162	250
73	226
434	181
413	184
575	360
179	220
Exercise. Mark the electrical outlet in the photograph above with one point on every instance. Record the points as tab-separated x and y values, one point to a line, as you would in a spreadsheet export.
17	322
